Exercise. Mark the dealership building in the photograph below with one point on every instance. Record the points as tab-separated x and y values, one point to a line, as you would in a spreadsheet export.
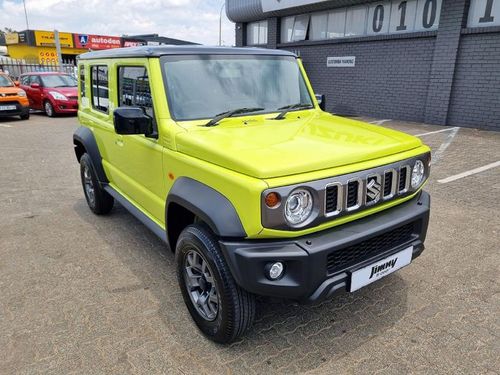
432	61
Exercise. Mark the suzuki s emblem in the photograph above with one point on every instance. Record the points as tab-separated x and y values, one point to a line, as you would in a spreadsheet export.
373	189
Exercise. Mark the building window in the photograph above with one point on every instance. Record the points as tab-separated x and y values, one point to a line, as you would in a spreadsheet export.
82	81
483	13
382	17
257	33
134	89
100	88
295	28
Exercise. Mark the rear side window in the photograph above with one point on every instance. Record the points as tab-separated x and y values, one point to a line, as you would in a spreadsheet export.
134	89
82	80
100	88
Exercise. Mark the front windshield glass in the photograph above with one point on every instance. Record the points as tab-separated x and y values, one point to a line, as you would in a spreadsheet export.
5	82
58	80
202	86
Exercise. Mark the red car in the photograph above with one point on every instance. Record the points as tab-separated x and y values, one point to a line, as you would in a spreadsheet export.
51	92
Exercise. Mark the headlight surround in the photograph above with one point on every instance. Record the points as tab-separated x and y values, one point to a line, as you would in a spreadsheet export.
21	93
298	207
57	95
417	174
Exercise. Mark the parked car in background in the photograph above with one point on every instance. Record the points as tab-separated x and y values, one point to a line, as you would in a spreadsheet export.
13	100
52	92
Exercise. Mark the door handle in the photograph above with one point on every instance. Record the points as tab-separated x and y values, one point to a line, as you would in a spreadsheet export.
119	142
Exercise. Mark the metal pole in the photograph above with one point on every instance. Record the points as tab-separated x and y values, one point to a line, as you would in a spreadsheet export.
58	49
26	15
220	23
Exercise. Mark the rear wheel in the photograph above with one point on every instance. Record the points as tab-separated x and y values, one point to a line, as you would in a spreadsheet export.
99	201
49	109
220	308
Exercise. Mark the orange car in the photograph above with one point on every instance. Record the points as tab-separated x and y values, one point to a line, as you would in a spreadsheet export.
13	100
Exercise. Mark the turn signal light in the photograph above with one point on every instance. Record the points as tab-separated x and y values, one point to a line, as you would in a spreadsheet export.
273	200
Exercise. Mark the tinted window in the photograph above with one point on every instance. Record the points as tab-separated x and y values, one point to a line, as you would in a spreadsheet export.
133	88
100	90
82	80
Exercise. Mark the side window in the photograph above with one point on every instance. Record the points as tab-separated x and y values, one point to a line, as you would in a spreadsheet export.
35	79
82	80
25	80
134	89
100	88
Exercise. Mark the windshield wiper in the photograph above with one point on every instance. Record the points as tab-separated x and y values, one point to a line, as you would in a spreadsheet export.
288	108
230	113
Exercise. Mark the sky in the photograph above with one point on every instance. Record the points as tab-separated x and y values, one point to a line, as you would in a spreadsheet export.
193	20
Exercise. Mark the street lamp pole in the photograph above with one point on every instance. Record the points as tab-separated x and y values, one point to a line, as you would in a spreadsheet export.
26	15
220	23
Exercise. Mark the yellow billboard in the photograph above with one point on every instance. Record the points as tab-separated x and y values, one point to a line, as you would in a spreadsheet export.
46	39
11	38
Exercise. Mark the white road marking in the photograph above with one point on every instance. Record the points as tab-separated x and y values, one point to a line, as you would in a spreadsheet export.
437	131
469	173
380	122
440	152
6	126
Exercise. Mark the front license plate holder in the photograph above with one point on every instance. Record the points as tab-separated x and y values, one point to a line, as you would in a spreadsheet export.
381	268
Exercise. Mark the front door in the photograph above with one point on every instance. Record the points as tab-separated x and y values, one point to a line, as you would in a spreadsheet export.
139	159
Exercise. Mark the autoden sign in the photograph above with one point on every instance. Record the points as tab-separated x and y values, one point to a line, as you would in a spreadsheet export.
97	41
270	5
341	61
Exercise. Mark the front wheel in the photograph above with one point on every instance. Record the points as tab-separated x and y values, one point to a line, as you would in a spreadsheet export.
25	116
49	109
220	308
99	201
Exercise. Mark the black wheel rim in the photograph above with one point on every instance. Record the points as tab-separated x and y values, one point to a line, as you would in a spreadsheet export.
88	185
201	286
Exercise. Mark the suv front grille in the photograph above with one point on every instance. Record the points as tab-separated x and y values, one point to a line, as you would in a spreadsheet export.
349	256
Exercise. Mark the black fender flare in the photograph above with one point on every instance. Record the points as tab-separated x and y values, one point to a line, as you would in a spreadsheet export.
85	137
208	204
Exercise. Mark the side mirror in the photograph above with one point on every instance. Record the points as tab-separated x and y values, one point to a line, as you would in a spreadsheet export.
132	120
16	83
321	101
35	85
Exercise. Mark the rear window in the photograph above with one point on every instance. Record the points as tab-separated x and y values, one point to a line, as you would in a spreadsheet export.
100	88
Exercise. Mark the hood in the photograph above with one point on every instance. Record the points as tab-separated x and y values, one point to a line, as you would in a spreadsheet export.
66	91
9	90
306	142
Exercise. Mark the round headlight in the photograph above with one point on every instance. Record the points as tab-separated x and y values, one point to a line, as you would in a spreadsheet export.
417	174
298	206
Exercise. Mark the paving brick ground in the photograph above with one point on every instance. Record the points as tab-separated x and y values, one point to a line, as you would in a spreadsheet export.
91	295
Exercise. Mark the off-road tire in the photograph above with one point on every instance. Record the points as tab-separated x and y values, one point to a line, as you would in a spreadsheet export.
236	307
101	202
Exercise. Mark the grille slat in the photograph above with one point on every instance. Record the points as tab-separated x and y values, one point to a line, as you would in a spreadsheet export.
403	173
352	194
332	198
388	178
343	258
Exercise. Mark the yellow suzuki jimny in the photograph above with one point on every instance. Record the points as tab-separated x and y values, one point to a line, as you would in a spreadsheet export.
228	156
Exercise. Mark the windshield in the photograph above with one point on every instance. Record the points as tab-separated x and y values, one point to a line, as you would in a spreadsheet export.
58	80
5	82
201	87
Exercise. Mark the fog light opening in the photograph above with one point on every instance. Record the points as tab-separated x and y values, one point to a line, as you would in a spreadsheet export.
274	271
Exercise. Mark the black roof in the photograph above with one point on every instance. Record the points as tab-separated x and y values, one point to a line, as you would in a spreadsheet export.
156	51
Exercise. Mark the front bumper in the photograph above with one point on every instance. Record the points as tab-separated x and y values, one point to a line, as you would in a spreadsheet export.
319	264
19	111
65	106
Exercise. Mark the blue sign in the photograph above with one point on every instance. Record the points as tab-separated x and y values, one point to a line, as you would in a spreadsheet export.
83	39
